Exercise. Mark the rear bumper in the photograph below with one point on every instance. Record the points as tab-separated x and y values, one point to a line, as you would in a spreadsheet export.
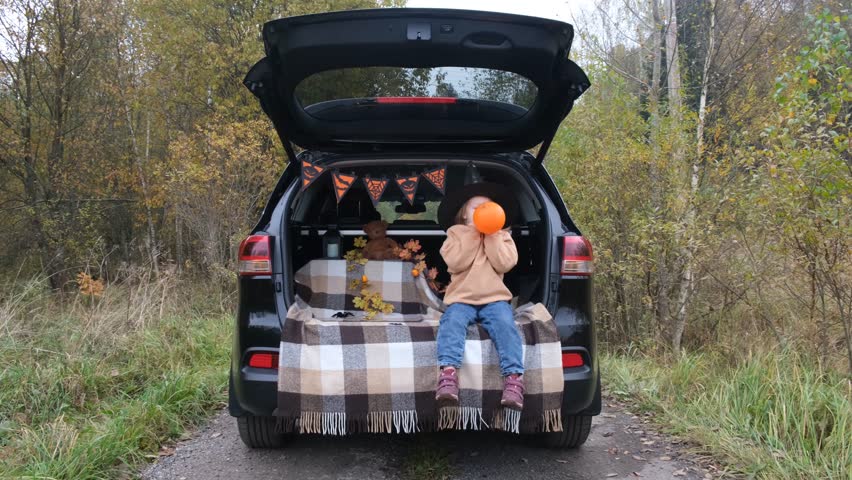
582	393
254	391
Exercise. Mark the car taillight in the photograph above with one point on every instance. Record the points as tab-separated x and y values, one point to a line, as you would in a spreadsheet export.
577	256
410	100
263	360
254	256
570	360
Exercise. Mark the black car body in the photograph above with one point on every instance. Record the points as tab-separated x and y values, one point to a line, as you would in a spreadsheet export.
356	126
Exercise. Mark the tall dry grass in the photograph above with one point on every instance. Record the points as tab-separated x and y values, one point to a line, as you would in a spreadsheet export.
770	414
91	384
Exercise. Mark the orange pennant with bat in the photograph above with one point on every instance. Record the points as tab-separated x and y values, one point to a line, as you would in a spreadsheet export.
310	172
342	183
408	185
436	177
375	188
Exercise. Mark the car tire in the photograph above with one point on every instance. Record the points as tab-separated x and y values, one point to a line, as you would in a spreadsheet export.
575	431
259	432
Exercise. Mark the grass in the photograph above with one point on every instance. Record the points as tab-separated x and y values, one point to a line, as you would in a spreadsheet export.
768	415
90	387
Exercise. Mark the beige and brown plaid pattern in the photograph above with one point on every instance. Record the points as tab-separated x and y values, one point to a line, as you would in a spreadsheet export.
325	286
344	377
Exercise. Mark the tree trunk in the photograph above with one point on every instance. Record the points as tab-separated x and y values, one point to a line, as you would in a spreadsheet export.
687	253
151	240
672	62
661	300
178	240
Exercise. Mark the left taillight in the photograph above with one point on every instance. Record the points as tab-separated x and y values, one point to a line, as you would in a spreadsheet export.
254	257
263	360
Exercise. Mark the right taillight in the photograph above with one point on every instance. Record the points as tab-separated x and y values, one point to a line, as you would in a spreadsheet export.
577	256
254	258
572	360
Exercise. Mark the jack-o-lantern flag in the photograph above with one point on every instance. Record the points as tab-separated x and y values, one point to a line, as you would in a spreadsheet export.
436	177
375	188
310	172
342	183
408	185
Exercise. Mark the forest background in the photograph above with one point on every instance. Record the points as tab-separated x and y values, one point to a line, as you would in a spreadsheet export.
709	164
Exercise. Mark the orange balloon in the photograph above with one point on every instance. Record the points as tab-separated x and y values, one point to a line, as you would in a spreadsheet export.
489	217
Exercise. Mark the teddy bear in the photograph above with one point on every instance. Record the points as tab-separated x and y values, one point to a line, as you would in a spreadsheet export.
379	246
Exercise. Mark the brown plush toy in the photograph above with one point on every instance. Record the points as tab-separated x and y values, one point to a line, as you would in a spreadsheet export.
379	247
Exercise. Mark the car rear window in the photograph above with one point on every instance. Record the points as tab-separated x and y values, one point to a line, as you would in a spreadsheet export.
463	83
398	212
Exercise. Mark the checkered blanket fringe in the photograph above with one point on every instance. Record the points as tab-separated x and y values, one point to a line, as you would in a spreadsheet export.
506	419
338	378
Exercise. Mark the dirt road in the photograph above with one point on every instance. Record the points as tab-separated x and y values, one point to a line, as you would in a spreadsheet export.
620	446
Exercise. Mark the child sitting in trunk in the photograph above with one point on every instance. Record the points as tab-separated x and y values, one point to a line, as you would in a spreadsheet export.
476	292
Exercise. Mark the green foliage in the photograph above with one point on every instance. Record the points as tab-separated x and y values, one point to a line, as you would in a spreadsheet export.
770	415
769	240
801	181
808	181
136	140
602	161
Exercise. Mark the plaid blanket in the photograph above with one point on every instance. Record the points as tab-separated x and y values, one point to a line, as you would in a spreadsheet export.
326	287
343	377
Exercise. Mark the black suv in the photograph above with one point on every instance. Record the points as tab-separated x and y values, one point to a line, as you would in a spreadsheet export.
393	91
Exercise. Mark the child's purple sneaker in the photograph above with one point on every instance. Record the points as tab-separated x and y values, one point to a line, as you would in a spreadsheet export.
447	393
513	392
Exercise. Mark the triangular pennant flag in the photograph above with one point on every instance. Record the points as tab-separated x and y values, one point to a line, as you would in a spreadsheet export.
310	172
342	183
375	188
408	185
436	177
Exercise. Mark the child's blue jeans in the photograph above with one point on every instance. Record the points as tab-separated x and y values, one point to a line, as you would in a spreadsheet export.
497	319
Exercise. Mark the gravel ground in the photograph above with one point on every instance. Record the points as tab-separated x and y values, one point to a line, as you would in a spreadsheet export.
621	446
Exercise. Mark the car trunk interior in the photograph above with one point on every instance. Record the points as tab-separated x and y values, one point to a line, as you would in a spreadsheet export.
315	213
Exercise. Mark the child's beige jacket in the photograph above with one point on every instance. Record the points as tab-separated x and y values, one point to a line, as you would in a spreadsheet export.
477	263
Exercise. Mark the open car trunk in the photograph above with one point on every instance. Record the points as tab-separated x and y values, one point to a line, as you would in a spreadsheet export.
316	214
403	80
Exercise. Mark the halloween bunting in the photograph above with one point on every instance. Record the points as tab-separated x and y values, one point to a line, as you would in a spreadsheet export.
310	172
436	177
408	185
375	188
342	183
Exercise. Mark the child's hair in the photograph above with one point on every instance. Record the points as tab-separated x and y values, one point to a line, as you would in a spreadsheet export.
459	218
